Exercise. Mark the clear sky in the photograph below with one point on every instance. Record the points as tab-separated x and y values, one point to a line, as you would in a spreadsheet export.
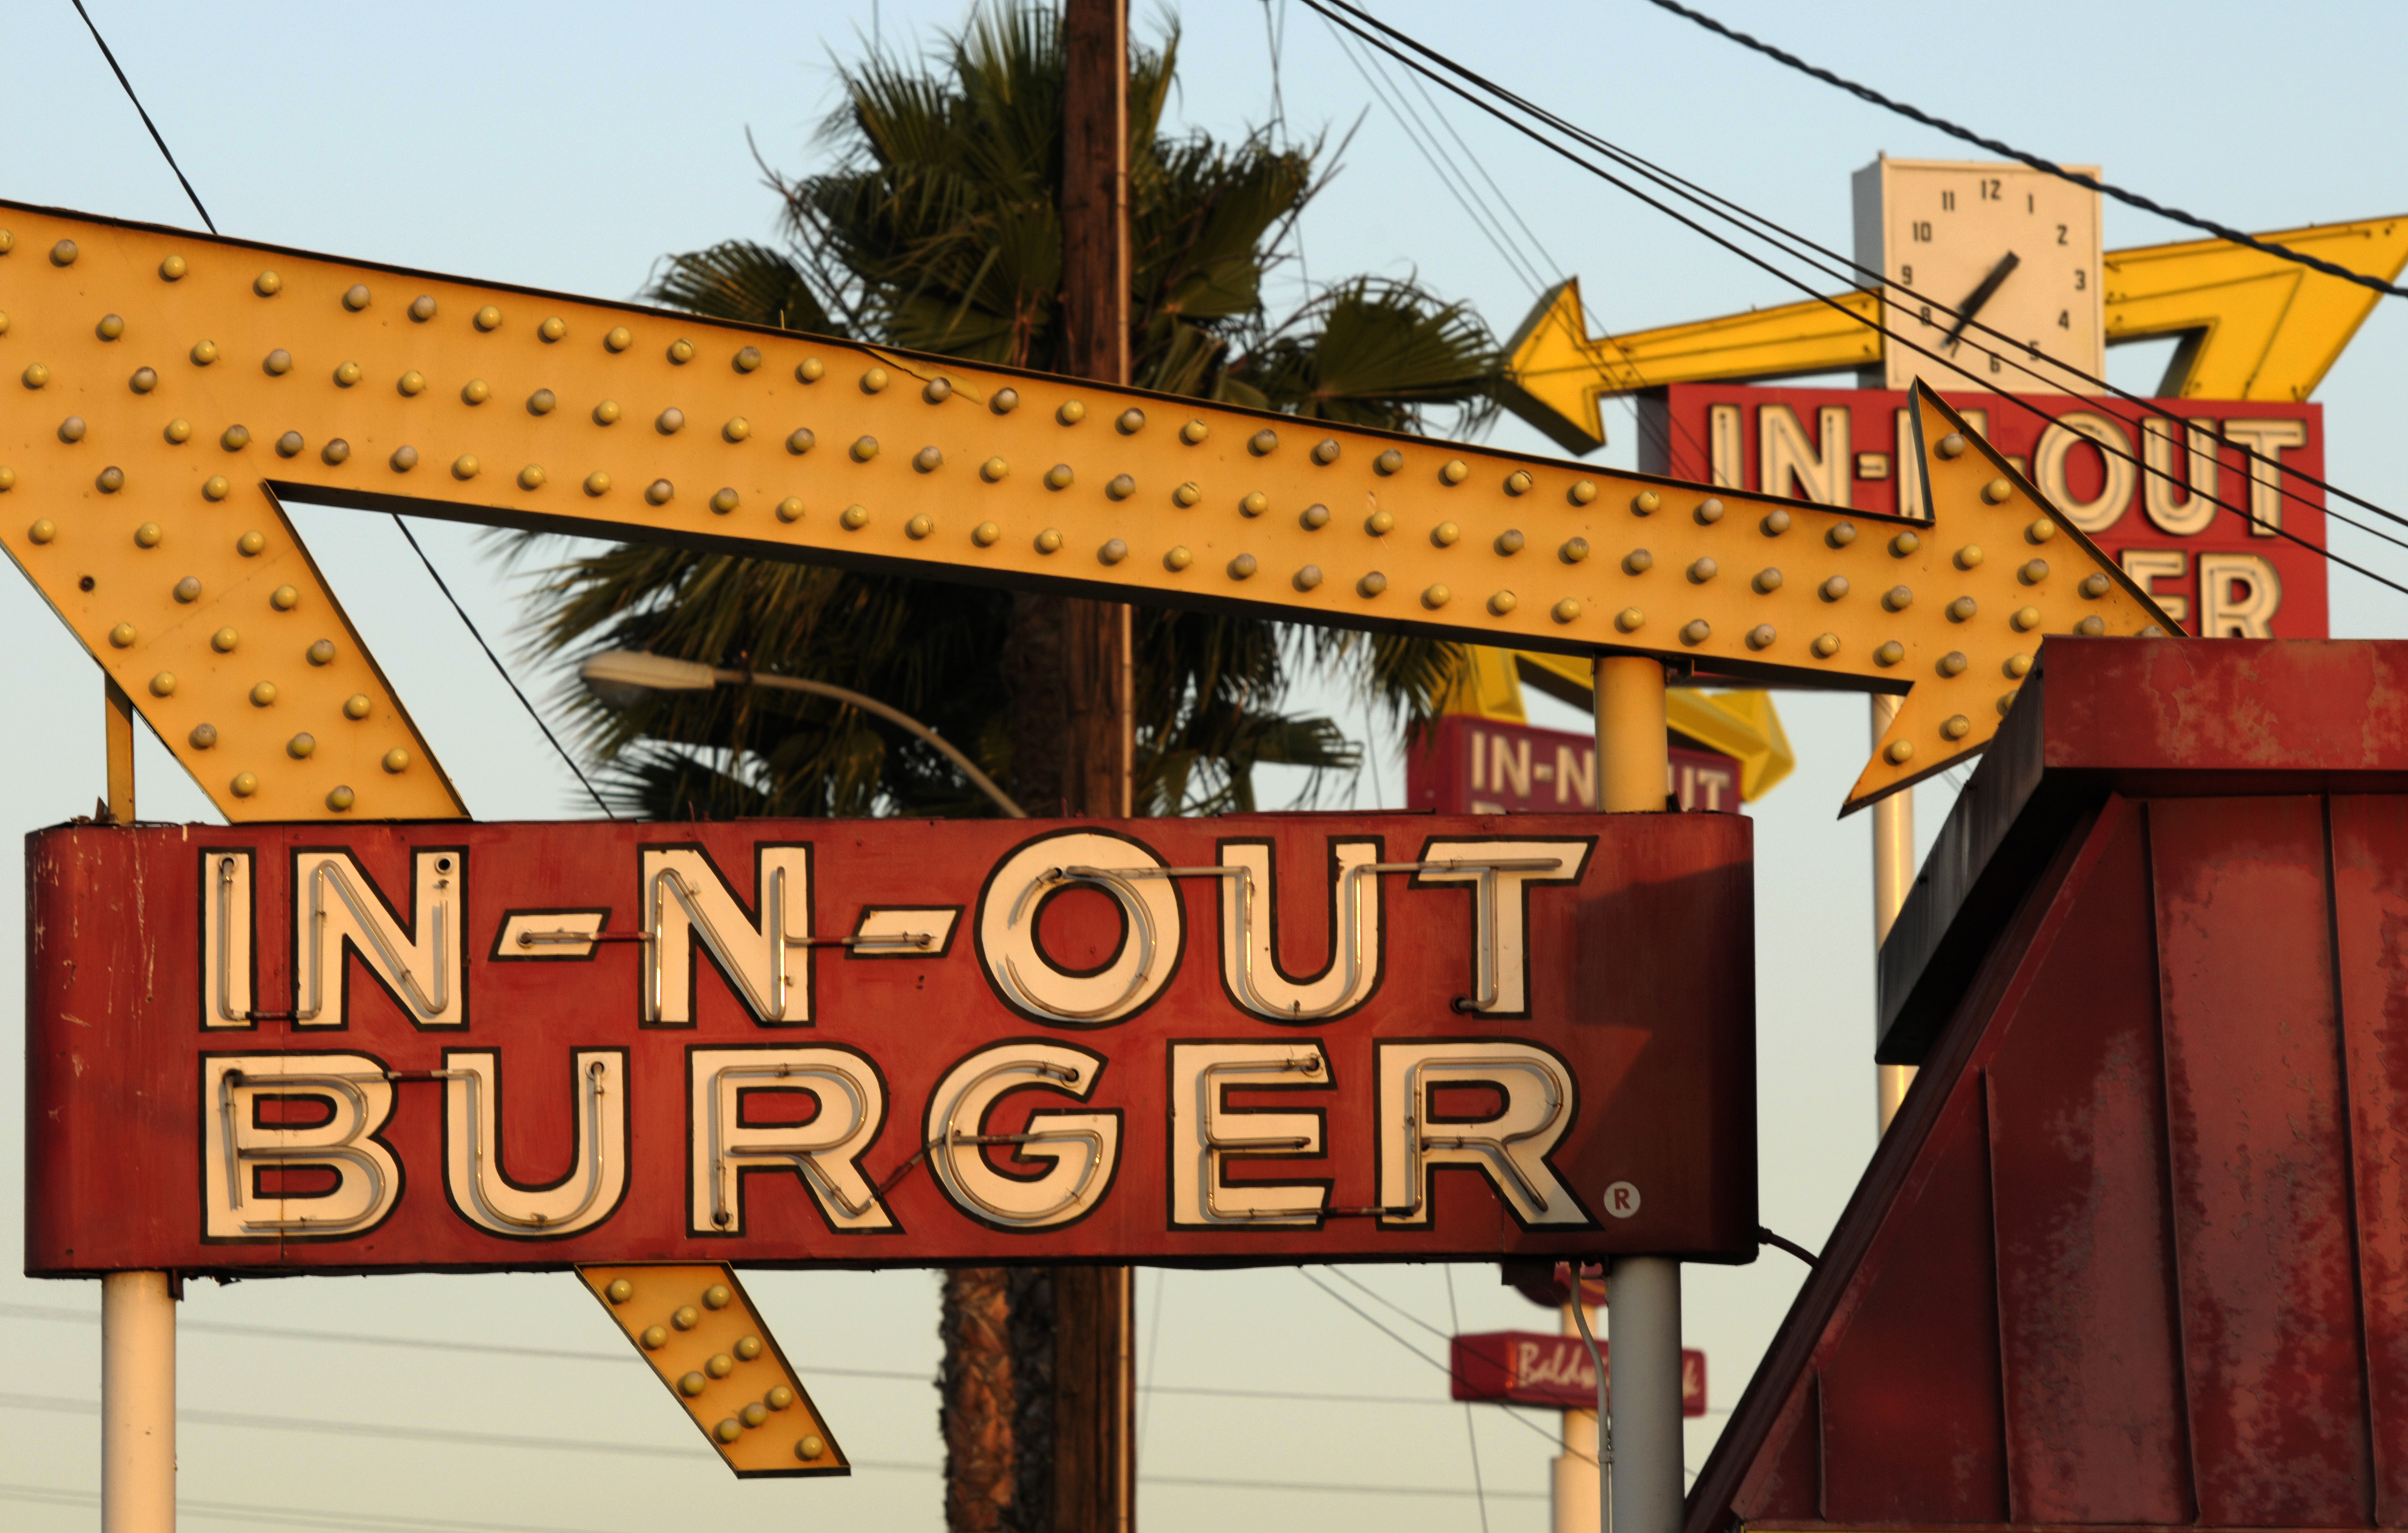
568	147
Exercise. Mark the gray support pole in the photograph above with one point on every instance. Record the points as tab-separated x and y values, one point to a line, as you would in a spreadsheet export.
1643	1320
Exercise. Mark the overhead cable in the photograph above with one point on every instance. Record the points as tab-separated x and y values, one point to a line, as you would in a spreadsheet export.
439	584
69	1405
1866	92
1373	1321
143	113
1840	267
816	1370
2019	401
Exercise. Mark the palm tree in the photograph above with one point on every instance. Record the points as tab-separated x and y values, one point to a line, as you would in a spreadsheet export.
936	228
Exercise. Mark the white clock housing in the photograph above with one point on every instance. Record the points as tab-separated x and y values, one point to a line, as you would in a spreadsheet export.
2019	247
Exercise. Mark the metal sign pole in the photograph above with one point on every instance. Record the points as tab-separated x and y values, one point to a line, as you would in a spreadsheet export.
138	1403
1893	821
1643	1493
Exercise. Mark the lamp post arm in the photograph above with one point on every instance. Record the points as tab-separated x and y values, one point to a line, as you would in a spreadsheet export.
984	783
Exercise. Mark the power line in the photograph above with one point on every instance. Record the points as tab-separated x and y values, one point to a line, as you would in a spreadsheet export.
1470	1427
1443	168
1484	217
1843	269
439	584
145	115
414	1343
1367	1317
503	671
1360	1286
66	1406
244	1512
1866	92
2017	400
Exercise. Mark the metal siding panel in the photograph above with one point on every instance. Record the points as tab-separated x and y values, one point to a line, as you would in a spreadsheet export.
2262	1203
2087	1334
1913	1430
2370	854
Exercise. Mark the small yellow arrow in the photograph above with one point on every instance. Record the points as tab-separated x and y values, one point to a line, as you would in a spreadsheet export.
698	1329
2257	327
1556	371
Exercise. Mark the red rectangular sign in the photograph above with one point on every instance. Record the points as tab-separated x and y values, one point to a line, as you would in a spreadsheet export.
1247	1041
1533	1368
2215	573
1468	765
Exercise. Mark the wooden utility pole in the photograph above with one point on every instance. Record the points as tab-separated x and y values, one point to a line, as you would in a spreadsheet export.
1095	344
1095	1458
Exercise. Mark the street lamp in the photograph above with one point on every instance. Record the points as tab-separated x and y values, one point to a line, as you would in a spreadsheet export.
622	677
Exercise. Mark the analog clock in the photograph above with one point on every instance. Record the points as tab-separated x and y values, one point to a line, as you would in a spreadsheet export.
2006	247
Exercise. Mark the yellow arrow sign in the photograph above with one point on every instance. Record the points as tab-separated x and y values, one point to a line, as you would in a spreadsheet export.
2257	327
698	1329
169	382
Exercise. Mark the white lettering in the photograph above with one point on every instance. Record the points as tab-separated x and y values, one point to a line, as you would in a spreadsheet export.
825	1150
2239	594
335	907
1508	765
1576	776
482	1188
1726	447
1083	1147
1501	874
2149	566
1509	1147
2264	442
1250	965
2085	428
1207	1133
1152	919
2170	505
288	1146
1783	453
685	901
229	958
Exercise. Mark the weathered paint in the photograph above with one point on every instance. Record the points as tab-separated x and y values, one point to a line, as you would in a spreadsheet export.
2133	1254
1638	982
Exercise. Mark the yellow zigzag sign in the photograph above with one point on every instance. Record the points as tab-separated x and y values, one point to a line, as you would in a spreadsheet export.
164	389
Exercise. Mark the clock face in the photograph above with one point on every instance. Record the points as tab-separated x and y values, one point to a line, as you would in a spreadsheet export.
2017	248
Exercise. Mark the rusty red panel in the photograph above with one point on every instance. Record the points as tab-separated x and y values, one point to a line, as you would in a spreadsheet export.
154	1140
2243	707
2370	861
1925	1444
2089	1334
2261	1184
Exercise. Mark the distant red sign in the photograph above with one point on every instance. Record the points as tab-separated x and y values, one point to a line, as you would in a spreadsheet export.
1471	765
2215	573
1244	1040
1532	1368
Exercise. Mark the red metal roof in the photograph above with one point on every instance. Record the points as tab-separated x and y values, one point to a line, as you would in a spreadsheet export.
2134	1253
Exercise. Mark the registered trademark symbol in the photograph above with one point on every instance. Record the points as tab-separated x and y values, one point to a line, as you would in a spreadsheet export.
1622	1199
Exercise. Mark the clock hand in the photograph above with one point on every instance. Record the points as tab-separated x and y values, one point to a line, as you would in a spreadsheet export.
1980	296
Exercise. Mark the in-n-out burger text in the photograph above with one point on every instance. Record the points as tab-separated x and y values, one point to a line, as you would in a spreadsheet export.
1129	1055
